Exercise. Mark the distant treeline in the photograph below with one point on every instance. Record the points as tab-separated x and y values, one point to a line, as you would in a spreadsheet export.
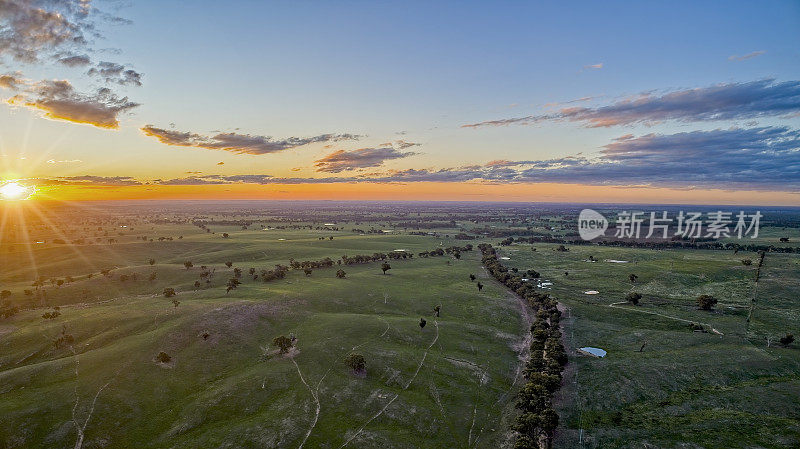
537	421
659	244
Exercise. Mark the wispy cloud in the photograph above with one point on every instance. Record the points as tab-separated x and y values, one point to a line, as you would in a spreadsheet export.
112	72
238	143
597	66
341	160
728	101
746	57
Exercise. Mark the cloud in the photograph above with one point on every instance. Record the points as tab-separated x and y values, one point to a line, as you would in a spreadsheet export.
755	158
238	143
747	56
89	180
11	80
341	160
112	72
728	101
75	60
31	27
58	100
593	66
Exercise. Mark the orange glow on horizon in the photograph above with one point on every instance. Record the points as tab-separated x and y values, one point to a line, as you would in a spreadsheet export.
423	191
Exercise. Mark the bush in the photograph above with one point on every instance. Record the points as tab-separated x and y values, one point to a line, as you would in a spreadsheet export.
633	298
787	339
356	362
169	292
706	302
163	357
282	343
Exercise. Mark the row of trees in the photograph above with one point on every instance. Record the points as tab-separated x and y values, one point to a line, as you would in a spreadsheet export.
537	421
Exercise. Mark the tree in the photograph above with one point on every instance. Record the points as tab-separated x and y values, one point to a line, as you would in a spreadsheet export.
151	261
169	292
5	294
188	264
632	277
706	302
163	357
340	274
787	339
422	323
228	264
152	276
225	235
480	286
633	298
356	362
282	343
471	277
385	267
231	285
747	262
175	302
307	271
237	272
437	310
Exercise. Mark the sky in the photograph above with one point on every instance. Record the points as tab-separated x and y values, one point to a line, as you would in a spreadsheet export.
642	102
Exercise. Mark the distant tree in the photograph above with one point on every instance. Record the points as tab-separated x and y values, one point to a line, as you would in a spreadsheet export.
787	339
237	272
252	271
385	267
175	302
52	315
231	285
169	292
340	274
706	302
225	235
188	264
747	262
437	310
151	261
59	282
197	284
228	264
5	294
7	310
562	248
163	357
633	298
632	277
356	362
471	277
307	271
422	323
152	276
282	343
480	286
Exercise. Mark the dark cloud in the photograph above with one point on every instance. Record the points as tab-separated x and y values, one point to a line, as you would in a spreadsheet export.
75	60
341	160
238	143
766	158
111	72
58	100
730	101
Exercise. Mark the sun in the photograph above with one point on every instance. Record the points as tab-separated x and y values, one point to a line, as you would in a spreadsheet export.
13	190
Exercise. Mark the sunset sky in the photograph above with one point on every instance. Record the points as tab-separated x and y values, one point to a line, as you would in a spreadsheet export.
585	102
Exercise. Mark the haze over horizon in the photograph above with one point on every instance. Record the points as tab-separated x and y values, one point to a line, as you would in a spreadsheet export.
610	103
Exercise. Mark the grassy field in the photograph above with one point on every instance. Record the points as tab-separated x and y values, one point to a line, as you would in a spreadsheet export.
448	384
718	389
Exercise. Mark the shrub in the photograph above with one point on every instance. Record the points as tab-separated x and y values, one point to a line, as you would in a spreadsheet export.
706	302
787	339
356	362
163	357
633	298
283	344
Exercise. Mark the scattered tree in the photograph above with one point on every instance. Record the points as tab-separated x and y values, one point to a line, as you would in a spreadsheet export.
472	277
787	339
633	298
163	357
175	303
188	264
422	323
5	294
706	302
632	277
385	267
340	274
480	286
169	292
282	343
356	362
151	261
307	271
228	264
747	262
437	310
